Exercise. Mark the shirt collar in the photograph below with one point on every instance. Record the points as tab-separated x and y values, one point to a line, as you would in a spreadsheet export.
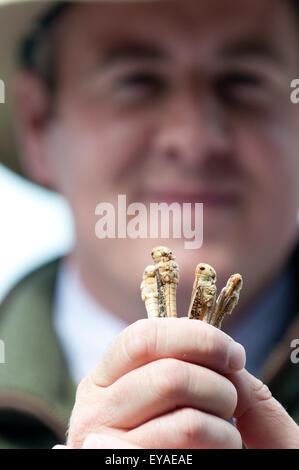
85	328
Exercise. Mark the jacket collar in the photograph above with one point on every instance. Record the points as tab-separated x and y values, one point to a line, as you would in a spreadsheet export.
34	378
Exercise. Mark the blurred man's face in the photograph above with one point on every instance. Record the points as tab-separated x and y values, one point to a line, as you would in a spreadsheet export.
184	101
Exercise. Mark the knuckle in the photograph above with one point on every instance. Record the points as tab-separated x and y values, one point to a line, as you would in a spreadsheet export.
113	399
170	377
89	412
90	417
139	340
208	340
262	392
230	399
236	439
83	387
191	425
230	437
108	410
233	394
81	424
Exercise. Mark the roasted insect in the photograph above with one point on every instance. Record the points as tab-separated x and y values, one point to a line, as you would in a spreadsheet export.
228	299
204	293
149	291
159	284
167	275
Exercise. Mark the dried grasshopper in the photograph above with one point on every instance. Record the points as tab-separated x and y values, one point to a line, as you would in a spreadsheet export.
167	275
204	293
227	299
149	291
158	288
159	284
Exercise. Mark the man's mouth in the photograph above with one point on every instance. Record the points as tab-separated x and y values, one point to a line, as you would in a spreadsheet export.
211	199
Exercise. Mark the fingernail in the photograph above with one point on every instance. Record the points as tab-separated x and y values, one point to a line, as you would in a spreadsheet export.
237	356
93	441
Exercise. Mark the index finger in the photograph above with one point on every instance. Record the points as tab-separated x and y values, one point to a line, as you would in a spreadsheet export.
188	340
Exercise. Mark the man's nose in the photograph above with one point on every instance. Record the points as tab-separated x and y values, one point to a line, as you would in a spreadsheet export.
192	128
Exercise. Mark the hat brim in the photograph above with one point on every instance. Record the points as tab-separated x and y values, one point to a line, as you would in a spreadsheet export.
17	17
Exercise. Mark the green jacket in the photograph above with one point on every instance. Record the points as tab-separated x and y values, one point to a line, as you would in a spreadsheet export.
36	390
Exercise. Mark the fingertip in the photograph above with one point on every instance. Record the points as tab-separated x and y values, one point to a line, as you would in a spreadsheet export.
236	356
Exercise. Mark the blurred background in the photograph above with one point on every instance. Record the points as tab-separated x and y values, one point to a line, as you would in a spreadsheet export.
35	224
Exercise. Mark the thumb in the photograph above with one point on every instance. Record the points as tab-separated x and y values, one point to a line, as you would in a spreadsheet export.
261	420
107	441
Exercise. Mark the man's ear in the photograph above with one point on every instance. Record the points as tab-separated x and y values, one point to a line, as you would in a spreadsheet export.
31	101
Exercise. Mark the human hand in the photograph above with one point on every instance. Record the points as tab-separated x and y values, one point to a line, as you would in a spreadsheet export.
162	384
261	420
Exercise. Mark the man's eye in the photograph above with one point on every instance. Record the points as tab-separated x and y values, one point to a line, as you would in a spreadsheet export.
240	89
140	81
240	79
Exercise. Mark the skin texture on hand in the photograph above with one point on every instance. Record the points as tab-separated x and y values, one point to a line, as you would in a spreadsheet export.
101	441
261	420
161	375
175	383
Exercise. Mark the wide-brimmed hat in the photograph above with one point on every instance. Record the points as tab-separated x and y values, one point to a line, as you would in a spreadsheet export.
17	19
